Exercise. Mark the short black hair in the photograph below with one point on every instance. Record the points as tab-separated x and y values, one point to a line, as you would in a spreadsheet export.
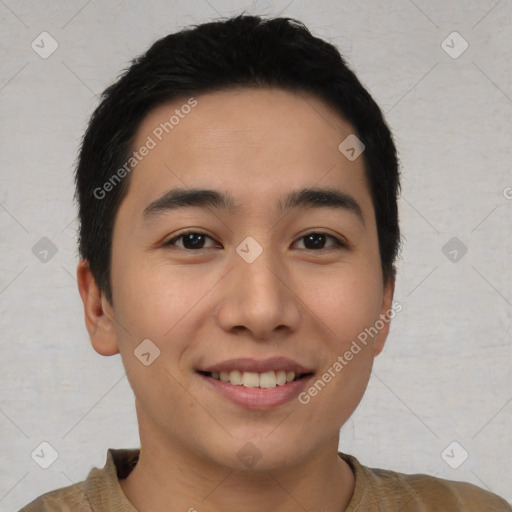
243	51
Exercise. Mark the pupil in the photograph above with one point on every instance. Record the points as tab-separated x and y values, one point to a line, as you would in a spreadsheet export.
312	237
195	240
190	238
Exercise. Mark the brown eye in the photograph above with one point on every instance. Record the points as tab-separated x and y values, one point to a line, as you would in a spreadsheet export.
191	240
317	241
314	241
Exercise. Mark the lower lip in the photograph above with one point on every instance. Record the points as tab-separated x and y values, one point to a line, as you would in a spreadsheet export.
258	398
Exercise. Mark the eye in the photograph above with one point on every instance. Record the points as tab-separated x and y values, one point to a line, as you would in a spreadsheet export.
194	240
316	241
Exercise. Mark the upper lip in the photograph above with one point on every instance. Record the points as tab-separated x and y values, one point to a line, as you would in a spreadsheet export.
257	365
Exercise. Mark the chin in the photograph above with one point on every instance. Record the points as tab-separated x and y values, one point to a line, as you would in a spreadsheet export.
252	454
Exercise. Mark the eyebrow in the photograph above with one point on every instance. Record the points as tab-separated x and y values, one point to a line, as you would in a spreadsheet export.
179	198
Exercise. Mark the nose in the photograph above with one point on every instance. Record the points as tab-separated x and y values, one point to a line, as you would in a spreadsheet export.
260	298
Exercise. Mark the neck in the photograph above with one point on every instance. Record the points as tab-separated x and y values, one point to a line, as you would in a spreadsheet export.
168	473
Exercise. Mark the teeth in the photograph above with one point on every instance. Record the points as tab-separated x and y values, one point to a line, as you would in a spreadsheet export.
235	377
250	380
265	380
268	380
281	378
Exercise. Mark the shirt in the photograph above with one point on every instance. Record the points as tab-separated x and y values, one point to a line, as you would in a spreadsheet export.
375	490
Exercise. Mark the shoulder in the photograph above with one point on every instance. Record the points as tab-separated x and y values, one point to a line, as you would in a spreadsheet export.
100	490
447	495
66	499
419	492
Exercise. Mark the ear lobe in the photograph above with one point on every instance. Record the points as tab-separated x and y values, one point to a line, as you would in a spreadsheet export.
99	315
386	307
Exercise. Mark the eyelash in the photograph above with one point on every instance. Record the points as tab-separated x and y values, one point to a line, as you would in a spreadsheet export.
339	244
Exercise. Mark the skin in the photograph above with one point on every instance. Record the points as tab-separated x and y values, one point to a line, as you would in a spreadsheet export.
207	306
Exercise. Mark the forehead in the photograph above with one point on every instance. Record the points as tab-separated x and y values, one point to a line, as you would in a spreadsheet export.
256	143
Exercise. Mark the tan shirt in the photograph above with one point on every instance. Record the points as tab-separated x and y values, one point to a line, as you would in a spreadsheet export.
375	490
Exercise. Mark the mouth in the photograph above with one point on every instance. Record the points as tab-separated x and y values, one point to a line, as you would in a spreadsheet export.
257	385
264	380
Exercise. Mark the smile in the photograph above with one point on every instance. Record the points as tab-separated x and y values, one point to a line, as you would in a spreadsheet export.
266	380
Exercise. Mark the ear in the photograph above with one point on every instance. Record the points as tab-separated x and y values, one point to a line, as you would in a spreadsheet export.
99	314
386	313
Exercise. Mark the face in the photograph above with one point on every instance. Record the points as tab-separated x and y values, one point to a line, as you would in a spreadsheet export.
278	289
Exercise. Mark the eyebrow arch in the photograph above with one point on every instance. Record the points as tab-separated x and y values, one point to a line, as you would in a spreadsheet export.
179	198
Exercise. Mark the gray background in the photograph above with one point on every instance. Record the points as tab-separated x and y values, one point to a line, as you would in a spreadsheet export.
445	373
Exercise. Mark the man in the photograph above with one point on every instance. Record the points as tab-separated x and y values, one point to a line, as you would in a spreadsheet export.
237	192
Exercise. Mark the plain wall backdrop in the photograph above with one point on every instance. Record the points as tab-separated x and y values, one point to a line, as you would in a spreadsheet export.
445	373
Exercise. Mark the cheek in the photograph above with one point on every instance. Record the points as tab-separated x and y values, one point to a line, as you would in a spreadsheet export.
152	302
152	296
347	302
